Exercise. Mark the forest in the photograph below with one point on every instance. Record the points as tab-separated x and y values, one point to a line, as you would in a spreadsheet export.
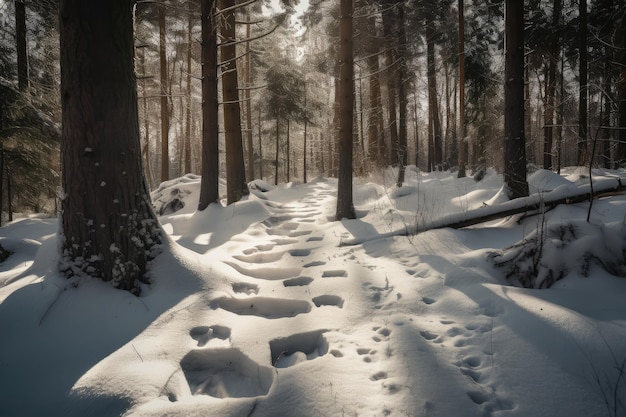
424	93
323	208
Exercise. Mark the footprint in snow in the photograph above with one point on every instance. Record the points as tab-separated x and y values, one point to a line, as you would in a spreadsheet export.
225	373
328	300
292	350
245	288
203	334
297	282
334	273
270	308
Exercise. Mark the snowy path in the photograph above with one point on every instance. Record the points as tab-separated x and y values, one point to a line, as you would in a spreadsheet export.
335	321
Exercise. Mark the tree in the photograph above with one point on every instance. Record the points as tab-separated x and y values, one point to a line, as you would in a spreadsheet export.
109	229
20	36
582	78
209	185
236	186
462	143
345	206
514	139
165	114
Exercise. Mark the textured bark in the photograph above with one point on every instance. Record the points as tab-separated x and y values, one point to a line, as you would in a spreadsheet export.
583	89
548	110
621	92
433	107
209	185
514	139
248	100
20	37
109	228
391	57
345	207
187	159
236	186
165	121
403	102
462	143
375	139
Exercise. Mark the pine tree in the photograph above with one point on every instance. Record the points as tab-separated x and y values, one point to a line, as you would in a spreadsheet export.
109	229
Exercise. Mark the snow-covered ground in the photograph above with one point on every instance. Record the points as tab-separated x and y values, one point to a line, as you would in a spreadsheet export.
268	307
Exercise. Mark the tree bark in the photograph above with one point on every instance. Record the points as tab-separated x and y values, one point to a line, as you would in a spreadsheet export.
165	119
187	157
109	228
583	93
462	143
345	207
621	92
433	107
248	100
375	140
402	96
209	185
514	139
236	186
20	37
391	57
553	56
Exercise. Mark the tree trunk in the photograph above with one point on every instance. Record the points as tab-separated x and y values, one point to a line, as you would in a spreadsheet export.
248	100
165	120
260	146
605	155
209	185
583	93
109	230
402	96
146	122
288	154
304	146
236	186
375	140
20	37
345	207
276	155
548	110
462	143
514	140
391	56
187	158
433	107
621	92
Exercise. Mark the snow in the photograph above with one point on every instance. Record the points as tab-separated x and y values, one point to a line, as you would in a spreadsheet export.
269	307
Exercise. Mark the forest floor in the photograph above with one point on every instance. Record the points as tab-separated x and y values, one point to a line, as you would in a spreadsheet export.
269	307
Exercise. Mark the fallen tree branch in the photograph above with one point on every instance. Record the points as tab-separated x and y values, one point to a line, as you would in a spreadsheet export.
604	187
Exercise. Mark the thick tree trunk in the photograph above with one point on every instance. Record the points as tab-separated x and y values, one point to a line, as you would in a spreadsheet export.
345	207
236	186
108	227
20	37
165	118
209	185
514	139
583	89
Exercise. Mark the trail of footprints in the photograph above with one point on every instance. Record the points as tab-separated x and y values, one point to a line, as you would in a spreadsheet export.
219	370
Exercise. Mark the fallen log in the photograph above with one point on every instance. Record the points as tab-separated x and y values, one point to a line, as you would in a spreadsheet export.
546	201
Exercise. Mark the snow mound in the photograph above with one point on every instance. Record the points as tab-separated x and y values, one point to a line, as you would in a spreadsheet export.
543	180
174	195
548	255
